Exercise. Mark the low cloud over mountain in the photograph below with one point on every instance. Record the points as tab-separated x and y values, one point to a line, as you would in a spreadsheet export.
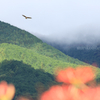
85	35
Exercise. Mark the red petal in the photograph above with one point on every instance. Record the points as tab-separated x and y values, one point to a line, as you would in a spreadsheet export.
55	93
66	75
3	88
84	74
10	91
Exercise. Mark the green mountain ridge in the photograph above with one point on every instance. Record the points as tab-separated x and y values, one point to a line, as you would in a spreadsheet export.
28	56
13	35
29	63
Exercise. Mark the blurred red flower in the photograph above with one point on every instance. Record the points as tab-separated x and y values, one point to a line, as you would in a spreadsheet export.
90	94
56	93
74	89
7	91
76	76
70	92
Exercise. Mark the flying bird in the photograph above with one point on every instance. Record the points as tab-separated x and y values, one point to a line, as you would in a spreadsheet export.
26	17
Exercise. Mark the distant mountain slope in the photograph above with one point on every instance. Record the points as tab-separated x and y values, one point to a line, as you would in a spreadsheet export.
28	56
47	50
90	56
87	53
13	35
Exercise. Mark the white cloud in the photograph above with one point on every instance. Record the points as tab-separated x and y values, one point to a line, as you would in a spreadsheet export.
58	18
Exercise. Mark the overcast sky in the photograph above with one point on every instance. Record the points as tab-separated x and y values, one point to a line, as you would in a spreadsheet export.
58	19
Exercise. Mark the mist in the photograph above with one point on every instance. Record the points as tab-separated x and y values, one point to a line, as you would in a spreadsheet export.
55	21
89	35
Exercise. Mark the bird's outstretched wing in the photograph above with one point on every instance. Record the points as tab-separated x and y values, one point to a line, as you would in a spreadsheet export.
29	17
26	17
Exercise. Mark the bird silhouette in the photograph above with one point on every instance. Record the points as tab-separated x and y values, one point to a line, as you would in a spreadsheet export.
27	17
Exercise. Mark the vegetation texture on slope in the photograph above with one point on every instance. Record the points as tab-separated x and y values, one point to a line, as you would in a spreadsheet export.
13	35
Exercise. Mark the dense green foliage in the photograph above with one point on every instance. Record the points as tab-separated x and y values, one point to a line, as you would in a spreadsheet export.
14	35
28	56
26	79
47	50
29	63
89	56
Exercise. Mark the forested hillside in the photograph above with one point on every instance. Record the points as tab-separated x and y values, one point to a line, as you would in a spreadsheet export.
26	79
13	35
88	54
29	63
91	56
28	56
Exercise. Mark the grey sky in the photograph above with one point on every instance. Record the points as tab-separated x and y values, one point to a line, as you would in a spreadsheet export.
54	18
